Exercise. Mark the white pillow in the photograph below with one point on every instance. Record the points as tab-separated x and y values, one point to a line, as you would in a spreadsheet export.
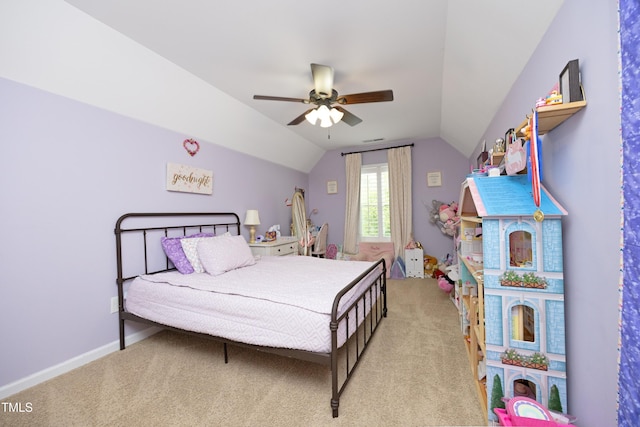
219	255
190	248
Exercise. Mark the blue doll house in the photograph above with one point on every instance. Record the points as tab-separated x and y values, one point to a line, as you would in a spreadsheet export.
519	284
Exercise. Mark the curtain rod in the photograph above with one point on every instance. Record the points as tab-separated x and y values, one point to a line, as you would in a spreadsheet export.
377	149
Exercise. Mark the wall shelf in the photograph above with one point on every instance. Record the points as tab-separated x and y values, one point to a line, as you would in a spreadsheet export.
552	116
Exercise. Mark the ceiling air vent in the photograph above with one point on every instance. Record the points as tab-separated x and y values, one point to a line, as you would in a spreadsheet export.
369	141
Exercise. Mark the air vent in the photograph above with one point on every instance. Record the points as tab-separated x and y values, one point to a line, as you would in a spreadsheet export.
369	141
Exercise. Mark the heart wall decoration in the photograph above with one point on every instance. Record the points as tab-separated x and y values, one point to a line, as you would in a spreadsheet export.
192	146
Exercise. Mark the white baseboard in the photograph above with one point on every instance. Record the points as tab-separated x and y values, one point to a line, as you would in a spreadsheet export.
76	362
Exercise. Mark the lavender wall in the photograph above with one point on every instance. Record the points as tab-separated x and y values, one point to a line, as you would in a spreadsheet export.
68	172
427	156
582	170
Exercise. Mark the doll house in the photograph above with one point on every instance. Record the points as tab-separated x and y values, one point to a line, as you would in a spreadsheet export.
510	257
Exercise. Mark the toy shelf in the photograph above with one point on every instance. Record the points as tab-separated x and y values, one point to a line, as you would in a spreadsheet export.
552	116
471	292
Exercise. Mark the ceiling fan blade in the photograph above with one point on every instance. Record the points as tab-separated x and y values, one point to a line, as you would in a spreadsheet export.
362	98
348	118
322	80
280	98
299	119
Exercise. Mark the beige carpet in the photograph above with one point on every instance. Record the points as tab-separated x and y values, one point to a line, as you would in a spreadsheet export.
415	373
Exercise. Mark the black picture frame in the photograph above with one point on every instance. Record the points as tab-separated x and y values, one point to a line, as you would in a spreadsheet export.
482	158
570	82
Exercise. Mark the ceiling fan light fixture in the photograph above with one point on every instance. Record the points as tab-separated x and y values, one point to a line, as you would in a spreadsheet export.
324	96
336	115
326	122
328	117
312	116
323	111
325	116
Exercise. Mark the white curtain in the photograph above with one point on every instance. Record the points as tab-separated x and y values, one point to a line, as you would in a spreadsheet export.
299	218
400	197
353	164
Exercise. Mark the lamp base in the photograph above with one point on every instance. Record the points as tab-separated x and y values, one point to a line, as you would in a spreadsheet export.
252	234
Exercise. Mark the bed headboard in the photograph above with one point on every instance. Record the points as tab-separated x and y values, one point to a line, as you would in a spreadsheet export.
138	247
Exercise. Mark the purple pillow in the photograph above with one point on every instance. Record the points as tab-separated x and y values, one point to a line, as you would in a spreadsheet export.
173	248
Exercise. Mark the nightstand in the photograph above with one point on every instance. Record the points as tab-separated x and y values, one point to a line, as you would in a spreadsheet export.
285	245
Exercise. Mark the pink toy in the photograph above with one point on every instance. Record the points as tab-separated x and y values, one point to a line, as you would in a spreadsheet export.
444	284
525	412
449	218
444	216
448	212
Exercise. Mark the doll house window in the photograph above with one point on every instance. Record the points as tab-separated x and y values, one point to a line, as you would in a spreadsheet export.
524	388
520	249
523	327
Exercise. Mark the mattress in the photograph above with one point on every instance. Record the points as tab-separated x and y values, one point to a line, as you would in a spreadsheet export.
283	302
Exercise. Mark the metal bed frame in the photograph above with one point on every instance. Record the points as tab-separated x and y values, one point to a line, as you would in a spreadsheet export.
352	350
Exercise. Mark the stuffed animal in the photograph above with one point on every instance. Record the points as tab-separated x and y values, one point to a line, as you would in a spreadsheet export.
430	264
449	218
434	215
447	212
447	281
453	273
444	284
445	216
443	266
449	227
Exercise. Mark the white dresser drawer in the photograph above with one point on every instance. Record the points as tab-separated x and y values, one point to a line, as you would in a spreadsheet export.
281	247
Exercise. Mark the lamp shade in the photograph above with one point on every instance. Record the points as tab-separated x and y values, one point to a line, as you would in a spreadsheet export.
252	217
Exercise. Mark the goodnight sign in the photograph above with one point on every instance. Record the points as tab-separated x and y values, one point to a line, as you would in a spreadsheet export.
188	179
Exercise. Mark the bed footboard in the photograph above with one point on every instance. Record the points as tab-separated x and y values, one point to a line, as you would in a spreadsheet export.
369	309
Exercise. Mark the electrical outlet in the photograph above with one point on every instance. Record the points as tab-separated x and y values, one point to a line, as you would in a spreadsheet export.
114	304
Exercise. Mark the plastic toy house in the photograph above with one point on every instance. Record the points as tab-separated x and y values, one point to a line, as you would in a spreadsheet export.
519	284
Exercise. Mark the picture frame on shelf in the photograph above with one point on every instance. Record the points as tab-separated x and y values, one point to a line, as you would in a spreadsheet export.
570	82
482	158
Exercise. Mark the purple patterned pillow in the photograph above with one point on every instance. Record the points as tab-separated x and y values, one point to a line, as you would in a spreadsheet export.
173	248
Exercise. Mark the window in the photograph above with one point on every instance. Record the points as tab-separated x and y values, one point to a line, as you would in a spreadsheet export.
523	323
526	388
375	224
520	249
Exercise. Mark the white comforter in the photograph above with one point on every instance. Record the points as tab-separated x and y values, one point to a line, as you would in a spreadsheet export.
279	302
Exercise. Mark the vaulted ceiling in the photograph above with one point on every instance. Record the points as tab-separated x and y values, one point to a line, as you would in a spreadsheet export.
450	64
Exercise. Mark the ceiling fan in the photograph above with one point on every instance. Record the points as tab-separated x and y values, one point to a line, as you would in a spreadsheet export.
324	96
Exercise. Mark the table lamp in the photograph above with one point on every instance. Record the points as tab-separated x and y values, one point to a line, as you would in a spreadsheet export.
252	219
